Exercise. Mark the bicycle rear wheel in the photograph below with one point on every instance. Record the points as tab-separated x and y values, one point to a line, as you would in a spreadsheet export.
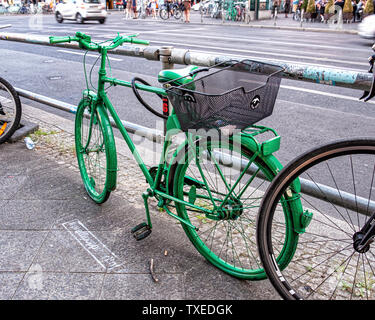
164	14
335	186
226	238
10	110
96	151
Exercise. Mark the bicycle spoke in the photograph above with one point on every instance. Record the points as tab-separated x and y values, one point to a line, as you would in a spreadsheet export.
328	262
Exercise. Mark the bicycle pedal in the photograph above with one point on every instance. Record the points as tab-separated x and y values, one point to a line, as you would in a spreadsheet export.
141	231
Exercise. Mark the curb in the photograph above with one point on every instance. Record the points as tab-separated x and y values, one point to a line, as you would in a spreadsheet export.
302	29
25	128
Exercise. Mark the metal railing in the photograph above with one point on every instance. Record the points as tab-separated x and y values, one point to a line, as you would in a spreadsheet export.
169	56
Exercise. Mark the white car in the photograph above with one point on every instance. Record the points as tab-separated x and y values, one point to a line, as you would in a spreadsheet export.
80	10
366	28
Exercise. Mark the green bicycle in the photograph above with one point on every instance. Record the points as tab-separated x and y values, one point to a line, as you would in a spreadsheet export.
211	183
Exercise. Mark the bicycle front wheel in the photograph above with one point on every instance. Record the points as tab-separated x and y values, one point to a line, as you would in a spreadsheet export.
226	193
177	13
10	110
96	151
326	196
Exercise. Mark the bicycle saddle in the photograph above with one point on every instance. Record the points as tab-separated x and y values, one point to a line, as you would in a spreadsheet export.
367	95
181	76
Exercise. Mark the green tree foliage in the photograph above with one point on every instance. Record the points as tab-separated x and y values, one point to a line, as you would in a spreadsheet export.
328	6
348	7
311	6
369	7
304	4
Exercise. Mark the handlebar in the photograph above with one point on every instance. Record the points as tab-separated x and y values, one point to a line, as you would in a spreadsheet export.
53	40
86	43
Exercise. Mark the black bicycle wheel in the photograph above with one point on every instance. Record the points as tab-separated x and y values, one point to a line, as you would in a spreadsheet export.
335	186
164	14
177	13
10	110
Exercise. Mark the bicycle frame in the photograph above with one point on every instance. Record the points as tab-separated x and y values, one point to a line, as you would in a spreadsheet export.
102	99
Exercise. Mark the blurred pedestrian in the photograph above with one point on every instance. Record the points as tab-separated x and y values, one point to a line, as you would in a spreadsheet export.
340	3
354	5
128	13
359	10
153	8
275	7
295	6
320	11
124	5
187	7
287	7
134	7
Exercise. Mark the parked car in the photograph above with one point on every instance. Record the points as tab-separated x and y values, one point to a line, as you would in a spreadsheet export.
366	29
81	11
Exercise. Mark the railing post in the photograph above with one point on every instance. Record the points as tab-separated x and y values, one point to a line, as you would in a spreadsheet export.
222	11
165	58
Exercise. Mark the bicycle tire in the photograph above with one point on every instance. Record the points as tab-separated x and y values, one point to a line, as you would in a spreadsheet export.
10	110
177	13
98	175
326	263
234	252
164	14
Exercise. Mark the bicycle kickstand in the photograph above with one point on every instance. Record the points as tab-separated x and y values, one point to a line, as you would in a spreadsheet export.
143	229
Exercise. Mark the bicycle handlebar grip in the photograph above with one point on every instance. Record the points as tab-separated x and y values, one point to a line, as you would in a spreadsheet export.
53	40
138	41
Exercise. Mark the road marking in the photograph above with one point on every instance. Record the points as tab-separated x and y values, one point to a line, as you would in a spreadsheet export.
88	55
328	94
98	250
274	43
345	113
260	58
268	53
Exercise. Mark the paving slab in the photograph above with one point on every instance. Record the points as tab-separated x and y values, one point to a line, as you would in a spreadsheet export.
57	244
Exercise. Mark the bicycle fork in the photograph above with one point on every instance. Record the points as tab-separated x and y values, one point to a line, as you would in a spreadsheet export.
363	238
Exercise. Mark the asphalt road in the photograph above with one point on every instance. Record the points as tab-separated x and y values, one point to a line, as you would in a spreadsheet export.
306	114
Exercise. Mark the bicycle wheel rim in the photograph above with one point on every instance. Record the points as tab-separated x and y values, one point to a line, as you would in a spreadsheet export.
235	253
10	110
326	264
164	14
177	14
96	159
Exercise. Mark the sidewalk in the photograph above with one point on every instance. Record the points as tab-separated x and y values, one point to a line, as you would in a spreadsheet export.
290	24
281	23
55	243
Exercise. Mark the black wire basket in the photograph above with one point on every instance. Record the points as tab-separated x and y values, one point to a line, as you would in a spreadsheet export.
235	96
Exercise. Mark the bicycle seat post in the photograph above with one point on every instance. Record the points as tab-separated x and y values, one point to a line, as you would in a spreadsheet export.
165	58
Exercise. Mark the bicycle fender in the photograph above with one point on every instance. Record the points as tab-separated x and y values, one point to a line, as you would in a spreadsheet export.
91	96
253	145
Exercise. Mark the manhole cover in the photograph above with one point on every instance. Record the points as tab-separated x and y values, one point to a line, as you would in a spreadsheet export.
55	78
